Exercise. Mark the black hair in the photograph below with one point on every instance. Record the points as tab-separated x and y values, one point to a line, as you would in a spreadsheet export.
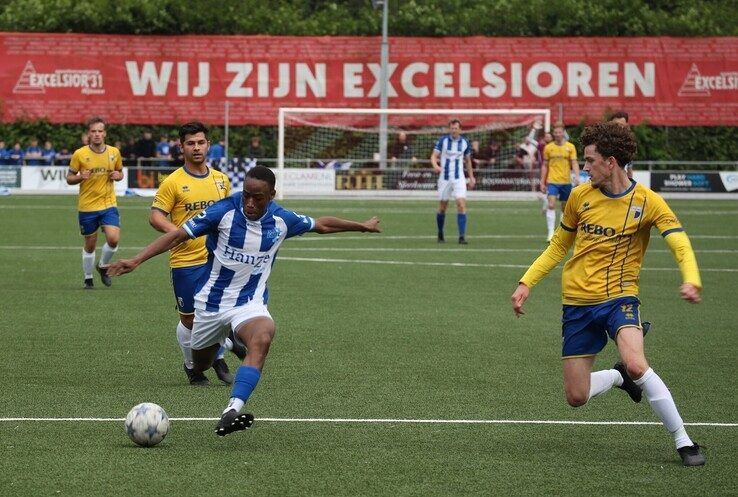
191	129
619	114
454	121
264	174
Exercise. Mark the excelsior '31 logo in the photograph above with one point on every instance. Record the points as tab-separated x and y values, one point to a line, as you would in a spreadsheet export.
697	85
89	81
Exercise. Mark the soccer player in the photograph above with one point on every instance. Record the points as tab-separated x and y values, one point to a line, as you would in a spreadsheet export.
621	117
451	154
182	195
244	232
608	220
94	167
559	160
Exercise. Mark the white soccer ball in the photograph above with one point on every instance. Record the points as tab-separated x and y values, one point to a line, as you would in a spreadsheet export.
147	424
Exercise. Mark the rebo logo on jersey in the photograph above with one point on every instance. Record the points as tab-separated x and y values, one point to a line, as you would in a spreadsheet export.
596	229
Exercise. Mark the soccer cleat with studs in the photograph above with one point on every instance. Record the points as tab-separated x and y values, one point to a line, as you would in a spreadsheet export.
107	281
237	347
232	421
89	284
645	326
441	239
692	455
196	379
462	241
634	391
222	371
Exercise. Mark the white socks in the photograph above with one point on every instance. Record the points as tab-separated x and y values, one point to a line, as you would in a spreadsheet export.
107	254
662	403
550	221
88	263
184	338
234	403
602	381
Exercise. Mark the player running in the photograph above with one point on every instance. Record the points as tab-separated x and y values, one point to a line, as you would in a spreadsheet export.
559	160
609	221
181	196
244	232
94	168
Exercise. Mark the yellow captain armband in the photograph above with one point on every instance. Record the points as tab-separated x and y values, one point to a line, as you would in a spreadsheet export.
681	249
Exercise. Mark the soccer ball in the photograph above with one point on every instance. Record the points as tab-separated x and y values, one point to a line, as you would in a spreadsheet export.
147	424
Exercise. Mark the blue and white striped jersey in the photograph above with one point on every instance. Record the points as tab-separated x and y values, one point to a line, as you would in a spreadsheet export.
241	252
453	152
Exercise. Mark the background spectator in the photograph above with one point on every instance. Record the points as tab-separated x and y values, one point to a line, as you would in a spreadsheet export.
176	152
477	158
16	155
48	154
402	150
256	151
4	154
128	153
33	153
491	152
164	152
216	154
62	157
145	148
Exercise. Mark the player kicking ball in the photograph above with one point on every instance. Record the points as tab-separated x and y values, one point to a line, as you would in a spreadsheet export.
244	232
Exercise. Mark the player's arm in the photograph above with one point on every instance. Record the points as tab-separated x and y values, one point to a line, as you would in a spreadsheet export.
326	225
434	160
165	242
74	176
681	249
159	220
470	171
575	165
163	204
544	175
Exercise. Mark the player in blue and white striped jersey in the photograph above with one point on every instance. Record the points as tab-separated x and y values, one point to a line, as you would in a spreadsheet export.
451	154
244	232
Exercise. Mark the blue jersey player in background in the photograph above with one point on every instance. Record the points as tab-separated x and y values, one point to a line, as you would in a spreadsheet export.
244	232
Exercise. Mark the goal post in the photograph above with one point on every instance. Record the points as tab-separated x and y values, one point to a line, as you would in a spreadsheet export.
343	138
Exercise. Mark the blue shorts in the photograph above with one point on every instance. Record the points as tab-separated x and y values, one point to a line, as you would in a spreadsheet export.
185	283
586	327
89	222
559	190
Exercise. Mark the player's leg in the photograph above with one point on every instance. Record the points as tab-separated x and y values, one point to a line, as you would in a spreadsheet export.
441	218
88	224
553	193
577	371
110	221
254	327
630	346
460	196
564	193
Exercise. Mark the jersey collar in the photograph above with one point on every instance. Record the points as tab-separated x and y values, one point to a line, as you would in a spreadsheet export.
619	195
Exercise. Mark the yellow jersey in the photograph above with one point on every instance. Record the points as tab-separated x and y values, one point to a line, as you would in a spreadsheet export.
96	193
610	234
183	195
559	159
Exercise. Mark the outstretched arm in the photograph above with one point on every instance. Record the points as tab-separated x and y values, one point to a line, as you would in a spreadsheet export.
324	225
165	242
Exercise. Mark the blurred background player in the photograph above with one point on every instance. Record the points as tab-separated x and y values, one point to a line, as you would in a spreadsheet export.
451	154
621	117
559	160
244	232
94	167
609	221
182	195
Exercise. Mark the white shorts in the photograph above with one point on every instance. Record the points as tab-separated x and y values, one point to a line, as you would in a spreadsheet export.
210	328
451	187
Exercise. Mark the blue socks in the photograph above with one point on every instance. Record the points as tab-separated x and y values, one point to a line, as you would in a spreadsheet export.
440	220
246	379
461	220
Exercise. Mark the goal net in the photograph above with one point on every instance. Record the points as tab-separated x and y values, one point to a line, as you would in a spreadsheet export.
343	138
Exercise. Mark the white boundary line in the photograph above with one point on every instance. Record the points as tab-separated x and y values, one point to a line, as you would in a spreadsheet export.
397	421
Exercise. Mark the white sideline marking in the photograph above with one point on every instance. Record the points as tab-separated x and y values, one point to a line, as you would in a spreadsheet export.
397	421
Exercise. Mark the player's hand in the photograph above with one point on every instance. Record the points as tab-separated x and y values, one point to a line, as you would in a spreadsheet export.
436	169
116	175
121	266
85	174
690	293
372	225
519	296
543	187
472	182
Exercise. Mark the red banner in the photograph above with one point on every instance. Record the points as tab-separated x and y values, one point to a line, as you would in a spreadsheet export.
168	80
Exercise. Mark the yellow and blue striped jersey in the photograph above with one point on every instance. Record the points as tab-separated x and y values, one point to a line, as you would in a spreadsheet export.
559	159
183	195
96	193
610	236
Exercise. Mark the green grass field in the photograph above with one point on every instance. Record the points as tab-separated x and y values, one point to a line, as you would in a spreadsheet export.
386	327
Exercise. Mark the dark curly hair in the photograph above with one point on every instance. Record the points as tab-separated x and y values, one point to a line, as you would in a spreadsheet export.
611	140
264	174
